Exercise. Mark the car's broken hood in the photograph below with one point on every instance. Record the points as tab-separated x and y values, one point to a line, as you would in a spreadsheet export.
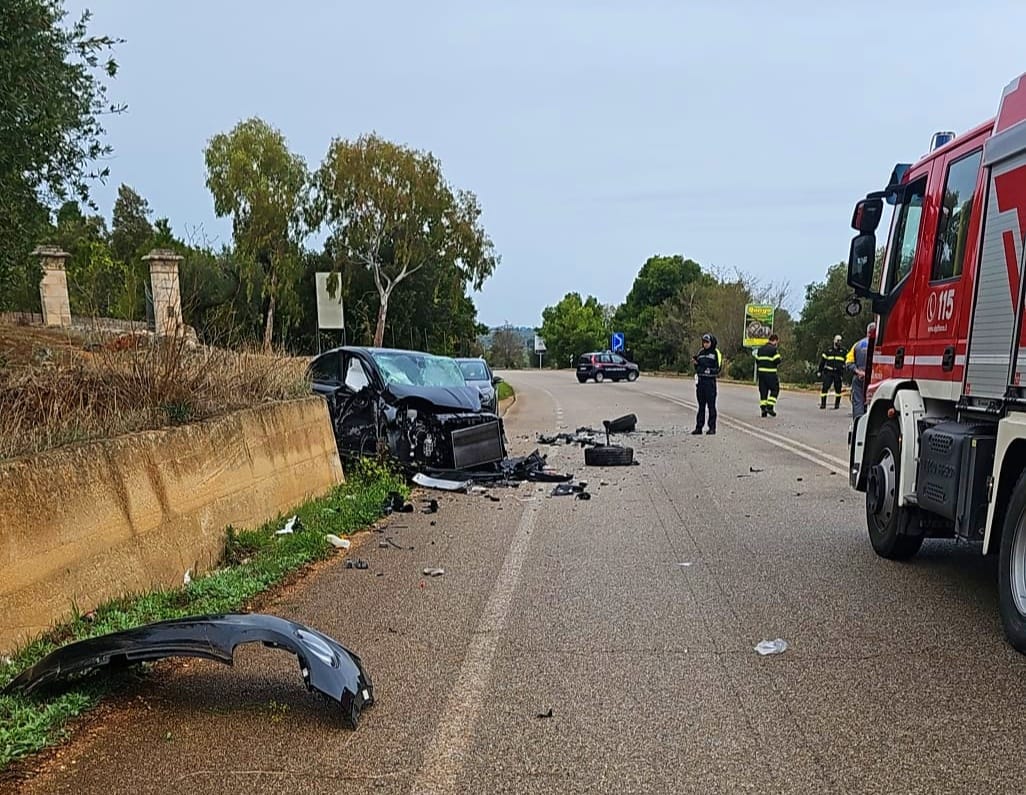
447	398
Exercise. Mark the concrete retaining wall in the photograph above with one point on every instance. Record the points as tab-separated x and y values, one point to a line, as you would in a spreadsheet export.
83	524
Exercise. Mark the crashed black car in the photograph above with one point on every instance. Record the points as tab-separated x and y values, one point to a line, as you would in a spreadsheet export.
416	406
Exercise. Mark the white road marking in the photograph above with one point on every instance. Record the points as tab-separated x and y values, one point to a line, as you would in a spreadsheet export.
447	749
809	453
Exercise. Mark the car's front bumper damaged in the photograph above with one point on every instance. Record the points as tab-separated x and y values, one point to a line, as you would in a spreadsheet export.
326	665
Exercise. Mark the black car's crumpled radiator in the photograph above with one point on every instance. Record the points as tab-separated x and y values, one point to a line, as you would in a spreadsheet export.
477	445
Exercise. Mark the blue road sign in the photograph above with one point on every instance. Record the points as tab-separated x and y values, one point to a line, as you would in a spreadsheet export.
618	341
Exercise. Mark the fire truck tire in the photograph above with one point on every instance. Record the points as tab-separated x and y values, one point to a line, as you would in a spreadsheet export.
889	523
1012	568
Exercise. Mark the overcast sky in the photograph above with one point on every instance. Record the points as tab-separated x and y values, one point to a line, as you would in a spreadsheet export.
595	134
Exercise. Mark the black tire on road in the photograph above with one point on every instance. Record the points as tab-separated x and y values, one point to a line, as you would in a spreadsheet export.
608	456
581	380
1011	568
632	376
889	523
599	377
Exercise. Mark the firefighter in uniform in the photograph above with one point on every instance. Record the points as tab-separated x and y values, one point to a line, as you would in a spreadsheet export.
767	360
855	363
707	368
831	366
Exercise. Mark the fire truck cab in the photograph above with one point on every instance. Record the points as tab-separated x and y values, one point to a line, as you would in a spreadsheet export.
941	449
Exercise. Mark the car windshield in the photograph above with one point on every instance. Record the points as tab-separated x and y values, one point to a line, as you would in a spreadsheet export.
474	371
400	368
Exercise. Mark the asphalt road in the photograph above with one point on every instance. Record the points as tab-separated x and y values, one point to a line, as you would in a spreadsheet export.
633	617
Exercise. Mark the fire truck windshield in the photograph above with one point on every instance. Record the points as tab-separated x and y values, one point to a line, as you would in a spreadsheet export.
905	235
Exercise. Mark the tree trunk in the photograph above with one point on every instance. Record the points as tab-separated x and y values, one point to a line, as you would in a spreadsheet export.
379	332
269	322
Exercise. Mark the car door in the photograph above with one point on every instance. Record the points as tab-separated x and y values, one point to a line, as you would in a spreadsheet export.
620	366
326	373
356	408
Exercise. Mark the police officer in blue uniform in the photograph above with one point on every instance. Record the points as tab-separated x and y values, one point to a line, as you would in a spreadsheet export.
707	369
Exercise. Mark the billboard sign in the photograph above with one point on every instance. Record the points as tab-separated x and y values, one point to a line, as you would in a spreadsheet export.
758	325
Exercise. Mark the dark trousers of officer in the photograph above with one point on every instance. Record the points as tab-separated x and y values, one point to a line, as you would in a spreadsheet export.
830	379
769	388
706	391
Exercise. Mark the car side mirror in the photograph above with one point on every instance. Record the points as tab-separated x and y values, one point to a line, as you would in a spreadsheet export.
496	380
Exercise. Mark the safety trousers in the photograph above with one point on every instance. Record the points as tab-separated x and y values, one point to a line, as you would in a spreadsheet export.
769	388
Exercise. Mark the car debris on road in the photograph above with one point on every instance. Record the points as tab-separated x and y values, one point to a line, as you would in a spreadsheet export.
326	665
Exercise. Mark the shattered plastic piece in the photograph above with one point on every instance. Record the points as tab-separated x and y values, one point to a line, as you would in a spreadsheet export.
356	563
338	543
430	572
583	495
544	715
778	646
396	504
685	564
755	469
290	526
430	506
326	665
625	424
188	577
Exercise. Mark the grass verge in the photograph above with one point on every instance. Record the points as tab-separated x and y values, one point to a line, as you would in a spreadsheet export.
253	561
503	390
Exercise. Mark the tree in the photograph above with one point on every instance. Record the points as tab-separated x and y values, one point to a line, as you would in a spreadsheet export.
254	177
51	100
391	212
508	350
660	278
573	327
130	229
823	315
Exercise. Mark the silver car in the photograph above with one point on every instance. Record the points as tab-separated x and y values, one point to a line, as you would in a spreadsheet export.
478	373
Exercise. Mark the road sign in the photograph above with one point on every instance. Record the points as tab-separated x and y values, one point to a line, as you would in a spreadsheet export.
539	344
617	345
758	325
329	309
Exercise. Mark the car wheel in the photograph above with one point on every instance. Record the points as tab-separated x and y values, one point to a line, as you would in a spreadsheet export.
632	376
1012	568
608	456
581	380
889	524
600	377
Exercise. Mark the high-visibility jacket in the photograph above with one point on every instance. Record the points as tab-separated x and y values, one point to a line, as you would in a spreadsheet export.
856	358
832	361
768	359
708	362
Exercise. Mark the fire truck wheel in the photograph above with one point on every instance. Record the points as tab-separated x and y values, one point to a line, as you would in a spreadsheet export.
888	522
1012	568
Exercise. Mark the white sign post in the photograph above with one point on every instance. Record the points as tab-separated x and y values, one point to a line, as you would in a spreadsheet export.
329	308
539	348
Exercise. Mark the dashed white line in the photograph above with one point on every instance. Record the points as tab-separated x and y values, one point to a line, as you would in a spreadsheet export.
805	451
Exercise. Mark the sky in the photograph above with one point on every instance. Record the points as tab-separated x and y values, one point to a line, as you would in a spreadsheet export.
595	134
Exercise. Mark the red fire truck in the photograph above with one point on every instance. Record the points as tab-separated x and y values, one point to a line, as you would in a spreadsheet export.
941	449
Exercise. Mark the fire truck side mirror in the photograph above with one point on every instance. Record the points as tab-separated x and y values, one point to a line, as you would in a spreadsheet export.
861	261
867	215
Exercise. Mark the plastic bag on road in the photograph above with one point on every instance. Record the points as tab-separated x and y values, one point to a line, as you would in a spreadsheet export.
778	646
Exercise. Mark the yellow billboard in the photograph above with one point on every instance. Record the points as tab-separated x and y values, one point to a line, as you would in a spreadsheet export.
758	325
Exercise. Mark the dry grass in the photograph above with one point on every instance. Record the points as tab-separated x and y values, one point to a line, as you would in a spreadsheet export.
128	383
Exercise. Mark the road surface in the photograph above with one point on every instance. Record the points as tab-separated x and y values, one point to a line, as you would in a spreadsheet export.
630	618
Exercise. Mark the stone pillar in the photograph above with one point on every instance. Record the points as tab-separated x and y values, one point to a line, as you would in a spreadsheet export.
53	289
167	293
